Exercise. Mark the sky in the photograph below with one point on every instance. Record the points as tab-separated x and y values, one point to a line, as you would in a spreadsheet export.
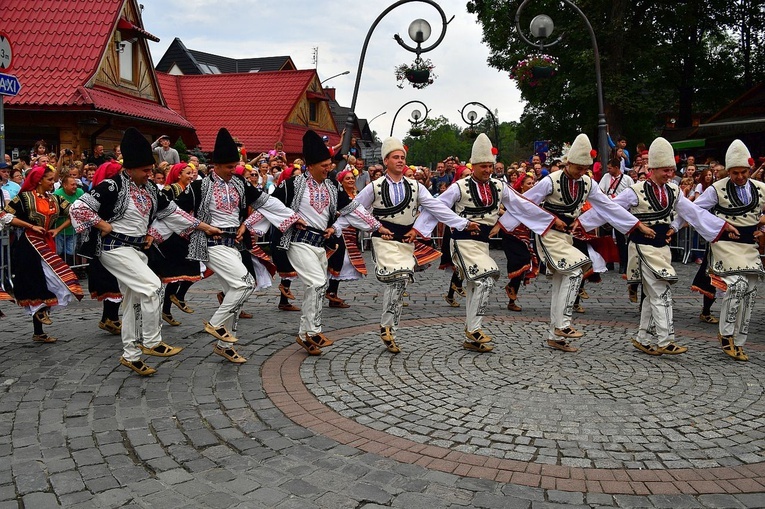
248	28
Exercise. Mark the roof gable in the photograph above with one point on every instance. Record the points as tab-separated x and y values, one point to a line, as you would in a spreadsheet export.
50	59
191	61
263	107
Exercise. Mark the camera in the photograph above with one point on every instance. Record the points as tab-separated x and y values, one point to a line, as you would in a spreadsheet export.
68	152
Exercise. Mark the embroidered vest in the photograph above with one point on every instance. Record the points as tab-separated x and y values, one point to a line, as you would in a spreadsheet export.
729	206
649	209
402	214
470	205
561	202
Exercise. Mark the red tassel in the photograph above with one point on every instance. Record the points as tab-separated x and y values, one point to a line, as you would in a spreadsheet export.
750	161
677	159
593	153
494	151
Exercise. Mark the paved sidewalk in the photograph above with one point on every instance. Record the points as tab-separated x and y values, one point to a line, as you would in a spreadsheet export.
434	427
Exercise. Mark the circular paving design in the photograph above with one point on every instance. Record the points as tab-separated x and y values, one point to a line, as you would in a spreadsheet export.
606	406
524	411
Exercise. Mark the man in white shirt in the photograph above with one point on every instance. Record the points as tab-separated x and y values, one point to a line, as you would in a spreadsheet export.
164	152
656	202
119	211
395	201
315	199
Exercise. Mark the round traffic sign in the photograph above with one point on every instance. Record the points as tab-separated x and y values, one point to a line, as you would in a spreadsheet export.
6	53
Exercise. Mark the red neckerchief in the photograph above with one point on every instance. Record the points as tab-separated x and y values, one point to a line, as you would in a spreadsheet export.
614	184
484	191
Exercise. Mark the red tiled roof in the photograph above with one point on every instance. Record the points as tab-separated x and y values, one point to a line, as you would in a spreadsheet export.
252	106
57	46
108	100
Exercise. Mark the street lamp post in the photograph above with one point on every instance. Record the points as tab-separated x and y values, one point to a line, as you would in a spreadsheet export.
335	76
541	27
472	119
419	31
418	118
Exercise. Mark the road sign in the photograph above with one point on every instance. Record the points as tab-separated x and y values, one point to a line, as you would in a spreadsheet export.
6	53
9	85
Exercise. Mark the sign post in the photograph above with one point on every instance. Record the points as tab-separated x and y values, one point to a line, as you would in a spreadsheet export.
6	63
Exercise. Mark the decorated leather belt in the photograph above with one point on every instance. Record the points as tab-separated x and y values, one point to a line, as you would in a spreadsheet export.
399	230
227	238
746	235
660	240
114	240
311	236
481	236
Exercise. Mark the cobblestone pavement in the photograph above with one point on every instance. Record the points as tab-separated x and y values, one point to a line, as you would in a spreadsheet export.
435	426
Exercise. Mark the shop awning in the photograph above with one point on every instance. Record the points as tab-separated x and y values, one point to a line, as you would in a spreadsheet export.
686	144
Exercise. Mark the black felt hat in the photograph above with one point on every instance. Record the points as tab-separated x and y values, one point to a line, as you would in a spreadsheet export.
314	149
225	148
136	150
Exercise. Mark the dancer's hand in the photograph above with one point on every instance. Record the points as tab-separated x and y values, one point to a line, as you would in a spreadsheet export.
106	228
561	226
670	233
385	233
329	232
733	233
410	236
300	224
645	230
240	232
148	241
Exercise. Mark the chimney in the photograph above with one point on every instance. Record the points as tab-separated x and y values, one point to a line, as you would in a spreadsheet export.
330	92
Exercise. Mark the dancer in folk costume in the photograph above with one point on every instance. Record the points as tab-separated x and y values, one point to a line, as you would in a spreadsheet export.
522	260
314	198
118	213
395	200
168	259
456	281
478	199
563	193
345	263
222	198
734	262
658	202
103	286
41	280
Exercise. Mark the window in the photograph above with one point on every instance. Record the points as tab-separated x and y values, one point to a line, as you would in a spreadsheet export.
126	61
313	112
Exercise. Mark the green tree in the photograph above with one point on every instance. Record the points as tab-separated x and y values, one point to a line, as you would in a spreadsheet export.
657	57
442	139
182	150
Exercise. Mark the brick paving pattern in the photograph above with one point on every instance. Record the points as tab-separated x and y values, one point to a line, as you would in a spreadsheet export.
435	426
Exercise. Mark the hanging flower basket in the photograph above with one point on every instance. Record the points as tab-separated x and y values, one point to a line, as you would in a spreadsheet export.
419	73
416	131
471	134
534	68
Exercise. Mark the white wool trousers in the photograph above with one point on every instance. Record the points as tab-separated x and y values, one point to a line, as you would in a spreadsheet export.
236	283
141	299
737	305
310	263
477	293
656	313
393	303
565	288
